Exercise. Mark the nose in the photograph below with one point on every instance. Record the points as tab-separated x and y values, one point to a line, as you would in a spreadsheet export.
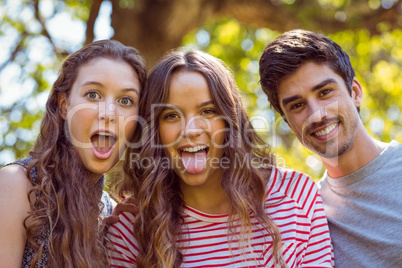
194	127
317	112
107	111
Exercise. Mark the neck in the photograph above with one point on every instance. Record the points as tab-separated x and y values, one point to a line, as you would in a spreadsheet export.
208	199
94	177
363	151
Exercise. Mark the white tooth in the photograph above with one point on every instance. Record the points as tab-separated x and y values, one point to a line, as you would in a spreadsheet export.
104	133
194	149
326	130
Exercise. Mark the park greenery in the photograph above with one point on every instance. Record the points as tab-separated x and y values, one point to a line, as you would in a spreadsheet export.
235	31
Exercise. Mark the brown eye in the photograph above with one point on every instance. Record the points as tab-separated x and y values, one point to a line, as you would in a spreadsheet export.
209	111
296	106
325	92
126	101
171	116
93	95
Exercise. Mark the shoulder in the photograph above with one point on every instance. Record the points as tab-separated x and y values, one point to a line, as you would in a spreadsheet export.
121	234
124	226
123	247
14	208
13	177
14	188
322	184
289	181
294	185
395	146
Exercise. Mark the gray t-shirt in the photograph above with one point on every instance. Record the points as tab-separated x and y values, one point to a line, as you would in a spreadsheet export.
364	211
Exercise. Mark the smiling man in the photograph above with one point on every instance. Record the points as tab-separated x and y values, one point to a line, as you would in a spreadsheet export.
309	80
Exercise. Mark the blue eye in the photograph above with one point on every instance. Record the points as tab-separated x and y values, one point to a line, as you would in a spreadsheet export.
126	101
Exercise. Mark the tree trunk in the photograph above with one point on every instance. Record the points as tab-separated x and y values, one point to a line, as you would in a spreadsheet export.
157	26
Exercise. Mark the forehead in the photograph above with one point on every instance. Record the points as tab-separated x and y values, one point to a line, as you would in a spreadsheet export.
305	79
188	86
101	63
102	69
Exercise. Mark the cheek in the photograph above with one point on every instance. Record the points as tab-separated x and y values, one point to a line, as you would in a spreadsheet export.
169	135
129	129
296	122
79	123
218	132
296	127
127	124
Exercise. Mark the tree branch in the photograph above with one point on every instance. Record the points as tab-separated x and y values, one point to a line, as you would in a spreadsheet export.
93	14
60	52
15	51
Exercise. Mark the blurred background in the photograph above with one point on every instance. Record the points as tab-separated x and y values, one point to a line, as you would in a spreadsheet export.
36	35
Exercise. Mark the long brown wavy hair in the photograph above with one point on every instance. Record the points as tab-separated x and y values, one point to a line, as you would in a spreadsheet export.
156	187
66	201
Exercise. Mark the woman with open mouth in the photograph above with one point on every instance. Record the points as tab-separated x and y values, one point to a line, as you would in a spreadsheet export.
52	203
206	185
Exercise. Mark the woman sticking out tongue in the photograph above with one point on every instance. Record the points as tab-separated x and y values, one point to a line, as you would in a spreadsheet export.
210	195
194	159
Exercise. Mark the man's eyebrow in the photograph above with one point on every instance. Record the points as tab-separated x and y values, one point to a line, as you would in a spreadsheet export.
322	84
290	99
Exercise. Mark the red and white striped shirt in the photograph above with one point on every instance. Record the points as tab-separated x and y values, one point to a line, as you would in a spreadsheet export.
292	202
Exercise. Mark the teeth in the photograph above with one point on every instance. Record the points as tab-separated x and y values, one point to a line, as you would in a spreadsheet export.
194	149
105	134
326	130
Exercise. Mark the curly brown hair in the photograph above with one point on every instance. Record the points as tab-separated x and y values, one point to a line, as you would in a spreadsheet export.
156	188
68	203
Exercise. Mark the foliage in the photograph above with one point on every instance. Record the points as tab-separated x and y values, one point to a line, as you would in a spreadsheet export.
29	62
377	61
32	57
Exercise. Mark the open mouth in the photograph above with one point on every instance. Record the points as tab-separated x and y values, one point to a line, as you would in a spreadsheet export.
194	159
103	144
325	131
194	149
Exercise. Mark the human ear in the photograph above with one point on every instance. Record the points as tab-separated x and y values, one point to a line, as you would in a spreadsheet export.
357	92
62	103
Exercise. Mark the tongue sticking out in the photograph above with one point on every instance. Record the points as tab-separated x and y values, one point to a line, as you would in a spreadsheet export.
102	145
194	163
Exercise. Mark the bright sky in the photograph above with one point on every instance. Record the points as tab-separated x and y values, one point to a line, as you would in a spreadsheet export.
67	32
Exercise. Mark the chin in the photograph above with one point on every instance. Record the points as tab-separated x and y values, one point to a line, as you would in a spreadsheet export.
98	170
100	167
192	179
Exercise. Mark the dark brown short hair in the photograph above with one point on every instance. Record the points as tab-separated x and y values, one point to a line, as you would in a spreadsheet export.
286	54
